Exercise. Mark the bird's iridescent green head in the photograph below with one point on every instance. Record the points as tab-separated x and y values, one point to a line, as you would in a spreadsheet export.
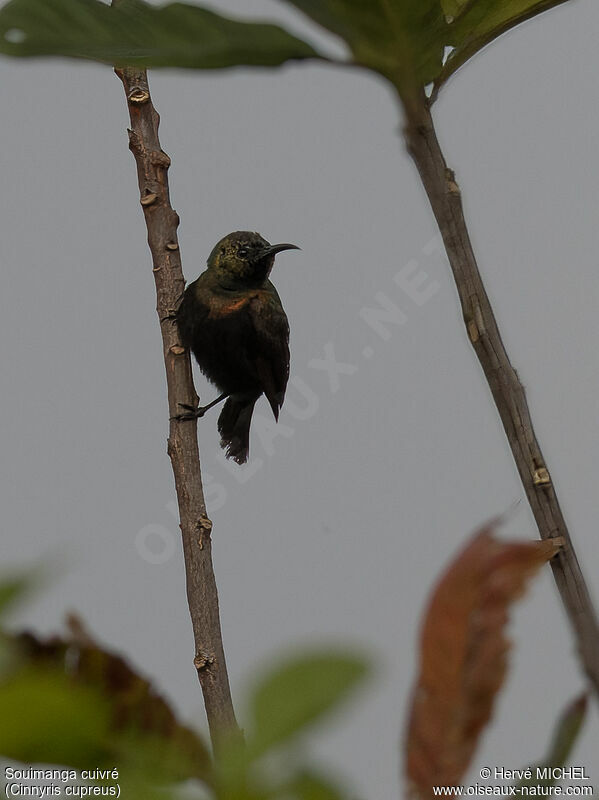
244	259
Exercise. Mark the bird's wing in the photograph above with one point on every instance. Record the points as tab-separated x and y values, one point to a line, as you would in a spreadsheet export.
191	315
271	351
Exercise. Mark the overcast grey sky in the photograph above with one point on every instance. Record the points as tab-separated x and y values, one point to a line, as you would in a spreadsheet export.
341	523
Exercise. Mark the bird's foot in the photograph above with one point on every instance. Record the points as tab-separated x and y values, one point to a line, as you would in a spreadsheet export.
196	412
190	412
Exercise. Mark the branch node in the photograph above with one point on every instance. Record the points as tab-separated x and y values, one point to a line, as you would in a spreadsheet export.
541	477
138	96
148	199
203	661
478	316
204	525
451	183
172	246
473	332
176	350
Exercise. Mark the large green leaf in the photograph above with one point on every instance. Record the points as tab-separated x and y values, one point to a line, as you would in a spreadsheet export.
405	40
298	692
472	24
134	32
402	39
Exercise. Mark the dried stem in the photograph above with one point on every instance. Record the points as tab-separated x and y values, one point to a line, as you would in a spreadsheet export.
162	222
508	393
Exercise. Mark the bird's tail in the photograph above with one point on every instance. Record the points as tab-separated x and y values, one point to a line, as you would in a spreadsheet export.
234	427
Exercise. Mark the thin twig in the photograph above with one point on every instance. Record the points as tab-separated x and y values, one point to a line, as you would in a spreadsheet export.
162	222
444	196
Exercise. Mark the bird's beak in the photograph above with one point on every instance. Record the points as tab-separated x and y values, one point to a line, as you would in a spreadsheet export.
273	249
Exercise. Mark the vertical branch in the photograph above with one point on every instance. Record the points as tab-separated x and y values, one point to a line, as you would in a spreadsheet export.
508	393
162	222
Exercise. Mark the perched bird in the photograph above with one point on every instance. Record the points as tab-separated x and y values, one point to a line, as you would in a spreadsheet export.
232	320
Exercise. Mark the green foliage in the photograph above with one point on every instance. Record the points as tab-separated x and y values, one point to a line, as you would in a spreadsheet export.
71	702
17	586
137	33
565	735
293	696
310	786
253	782
298	693
14	587
403	40
11	589
47	719
476	23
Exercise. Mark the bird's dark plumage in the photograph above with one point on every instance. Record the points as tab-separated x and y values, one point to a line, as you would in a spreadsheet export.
232	319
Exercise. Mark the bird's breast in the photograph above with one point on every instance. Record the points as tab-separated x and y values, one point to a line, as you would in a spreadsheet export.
220	306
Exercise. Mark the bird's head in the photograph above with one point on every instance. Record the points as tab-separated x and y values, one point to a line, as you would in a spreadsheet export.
244	259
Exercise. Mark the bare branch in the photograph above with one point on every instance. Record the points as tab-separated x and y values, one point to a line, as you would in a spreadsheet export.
444	196
162	222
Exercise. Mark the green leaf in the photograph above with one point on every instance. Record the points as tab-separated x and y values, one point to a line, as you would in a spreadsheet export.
143	732
566	733
401	39
12	589
480	22
310	786
137	33
405	40
46	719
453	8
299	692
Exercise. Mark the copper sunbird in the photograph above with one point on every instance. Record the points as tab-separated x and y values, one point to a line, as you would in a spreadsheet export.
232	320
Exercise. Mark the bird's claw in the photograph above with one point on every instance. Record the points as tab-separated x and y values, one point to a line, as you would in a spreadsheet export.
189	413
197	412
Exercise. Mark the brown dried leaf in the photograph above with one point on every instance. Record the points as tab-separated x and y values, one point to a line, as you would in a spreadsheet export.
463	656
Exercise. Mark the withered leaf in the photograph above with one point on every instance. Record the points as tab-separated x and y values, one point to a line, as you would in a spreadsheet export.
463	656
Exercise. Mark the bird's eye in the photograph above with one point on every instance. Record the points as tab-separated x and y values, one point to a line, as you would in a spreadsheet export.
242	252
